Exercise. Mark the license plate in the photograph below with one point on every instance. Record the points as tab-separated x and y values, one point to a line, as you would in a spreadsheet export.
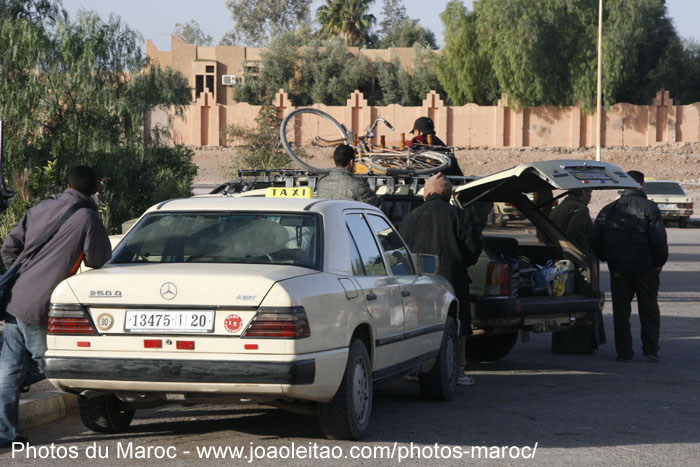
169	321
667	206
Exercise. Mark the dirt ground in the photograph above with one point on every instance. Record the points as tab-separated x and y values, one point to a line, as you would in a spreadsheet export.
677	161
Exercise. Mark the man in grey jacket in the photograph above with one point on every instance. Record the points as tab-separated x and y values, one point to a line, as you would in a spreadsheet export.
340	183
82	237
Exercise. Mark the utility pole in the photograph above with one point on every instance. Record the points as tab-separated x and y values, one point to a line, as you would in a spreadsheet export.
600	75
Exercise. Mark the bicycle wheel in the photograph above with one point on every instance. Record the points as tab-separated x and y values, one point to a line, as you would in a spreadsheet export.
310	136
423	162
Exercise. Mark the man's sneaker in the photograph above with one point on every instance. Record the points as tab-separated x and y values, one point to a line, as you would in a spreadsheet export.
465	380
620	358
652	357
18	439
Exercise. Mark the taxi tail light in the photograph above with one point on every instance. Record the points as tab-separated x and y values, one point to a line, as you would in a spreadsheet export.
280	323
685	205
69	319
497	279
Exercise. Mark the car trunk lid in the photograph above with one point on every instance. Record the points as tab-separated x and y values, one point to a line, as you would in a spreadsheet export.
549	175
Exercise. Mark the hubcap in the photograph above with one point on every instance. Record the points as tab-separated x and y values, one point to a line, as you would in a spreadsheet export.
360	392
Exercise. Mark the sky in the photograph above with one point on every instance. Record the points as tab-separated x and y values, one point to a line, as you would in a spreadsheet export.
156	19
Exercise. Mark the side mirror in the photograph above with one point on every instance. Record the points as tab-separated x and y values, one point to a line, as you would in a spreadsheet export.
425	264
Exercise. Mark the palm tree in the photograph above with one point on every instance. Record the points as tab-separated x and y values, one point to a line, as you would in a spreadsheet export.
347	18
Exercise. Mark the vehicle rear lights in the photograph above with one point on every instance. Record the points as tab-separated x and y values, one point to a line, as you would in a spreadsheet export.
83	344
497	279
69	319
251	346
685	205
279	322
184	345
152	344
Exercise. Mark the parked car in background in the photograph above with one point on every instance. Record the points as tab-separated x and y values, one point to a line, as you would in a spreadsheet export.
297	303
673	203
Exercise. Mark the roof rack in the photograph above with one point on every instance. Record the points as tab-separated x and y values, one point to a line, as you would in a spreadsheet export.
251	179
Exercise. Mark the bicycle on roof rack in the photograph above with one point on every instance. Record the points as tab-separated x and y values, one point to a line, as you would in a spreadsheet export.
310	136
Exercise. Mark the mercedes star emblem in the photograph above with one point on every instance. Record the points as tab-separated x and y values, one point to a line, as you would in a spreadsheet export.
168	291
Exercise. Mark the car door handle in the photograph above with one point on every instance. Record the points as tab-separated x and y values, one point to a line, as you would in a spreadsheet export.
405	293
371	296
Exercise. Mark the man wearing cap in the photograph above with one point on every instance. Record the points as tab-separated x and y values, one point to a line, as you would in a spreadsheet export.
573	218
630	235
440	228
340	183
424	133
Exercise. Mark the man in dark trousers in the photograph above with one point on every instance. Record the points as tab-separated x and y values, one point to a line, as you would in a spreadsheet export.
340	183
630	235
424	133
82	236
439	228
573	218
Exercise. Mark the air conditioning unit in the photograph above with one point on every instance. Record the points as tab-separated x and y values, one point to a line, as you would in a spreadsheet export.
228	80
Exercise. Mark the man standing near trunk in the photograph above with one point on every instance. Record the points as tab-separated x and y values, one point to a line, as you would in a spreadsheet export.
630	235
440	228
80	236
340	183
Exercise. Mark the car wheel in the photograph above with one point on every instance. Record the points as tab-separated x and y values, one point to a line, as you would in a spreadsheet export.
683	222
490	348
347	415
103	414
441	381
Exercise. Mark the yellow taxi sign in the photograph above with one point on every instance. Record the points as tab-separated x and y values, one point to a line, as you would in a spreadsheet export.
289	192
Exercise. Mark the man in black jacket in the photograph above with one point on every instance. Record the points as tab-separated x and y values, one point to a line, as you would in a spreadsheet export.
630	235
573	218
82	237
424	133
439	228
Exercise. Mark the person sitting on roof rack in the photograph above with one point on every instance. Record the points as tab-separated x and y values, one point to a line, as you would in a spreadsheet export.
340	183
424	134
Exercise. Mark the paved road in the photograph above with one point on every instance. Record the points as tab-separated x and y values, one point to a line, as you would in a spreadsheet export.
580	410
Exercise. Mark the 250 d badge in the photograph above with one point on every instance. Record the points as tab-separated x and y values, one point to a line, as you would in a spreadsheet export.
105	294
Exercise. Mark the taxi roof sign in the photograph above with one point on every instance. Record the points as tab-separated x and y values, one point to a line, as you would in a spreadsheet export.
289	192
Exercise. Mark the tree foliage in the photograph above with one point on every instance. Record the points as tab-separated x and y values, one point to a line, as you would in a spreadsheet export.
258	22
324	71
463	68
545	51
349	19
260	146
192	33
398	30
74	92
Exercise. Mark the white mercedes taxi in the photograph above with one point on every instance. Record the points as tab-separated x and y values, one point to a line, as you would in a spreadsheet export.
297	303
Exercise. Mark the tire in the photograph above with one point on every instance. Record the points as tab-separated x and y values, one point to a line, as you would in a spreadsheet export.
683	222
420	162
103	415
440	383
310	136
347	415
490	348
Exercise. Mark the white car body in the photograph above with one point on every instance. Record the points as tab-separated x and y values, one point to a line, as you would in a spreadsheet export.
673	202
400	318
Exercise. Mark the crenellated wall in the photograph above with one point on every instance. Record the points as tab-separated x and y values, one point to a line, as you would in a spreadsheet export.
469	125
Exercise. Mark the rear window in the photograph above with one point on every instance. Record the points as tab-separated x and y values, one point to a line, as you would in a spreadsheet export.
223	237
663	188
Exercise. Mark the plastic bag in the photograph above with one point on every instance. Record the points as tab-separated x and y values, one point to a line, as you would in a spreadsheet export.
549	280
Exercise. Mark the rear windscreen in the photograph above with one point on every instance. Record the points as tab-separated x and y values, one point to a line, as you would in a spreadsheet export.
216	237
661	188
